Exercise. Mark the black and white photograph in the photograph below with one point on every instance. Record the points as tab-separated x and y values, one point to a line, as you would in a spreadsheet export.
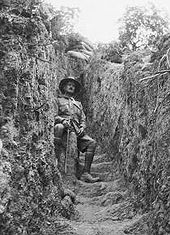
84	117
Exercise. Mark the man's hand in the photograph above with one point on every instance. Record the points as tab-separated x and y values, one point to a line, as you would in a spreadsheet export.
66	124
81	132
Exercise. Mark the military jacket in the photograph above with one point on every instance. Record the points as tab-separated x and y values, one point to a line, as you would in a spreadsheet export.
70	109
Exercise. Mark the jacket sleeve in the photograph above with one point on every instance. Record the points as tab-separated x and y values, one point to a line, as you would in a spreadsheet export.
82	119
57	118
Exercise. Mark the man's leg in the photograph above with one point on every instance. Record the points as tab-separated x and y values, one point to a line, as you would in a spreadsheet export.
58	132
89	155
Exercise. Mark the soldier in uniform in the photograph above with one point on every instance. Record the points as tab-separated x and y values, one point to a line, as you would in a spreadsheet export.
70	115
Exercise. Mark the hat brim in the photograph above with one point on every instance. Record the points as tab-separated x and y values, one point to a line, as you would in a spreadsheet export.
66	80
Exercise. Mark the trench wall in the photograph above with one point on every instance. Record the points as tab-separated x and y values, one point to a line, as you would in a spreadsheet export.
129	118
31	189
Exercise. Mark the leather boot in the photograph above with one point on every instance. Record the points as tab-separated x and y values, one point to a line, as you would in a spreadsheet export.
86	176
57	140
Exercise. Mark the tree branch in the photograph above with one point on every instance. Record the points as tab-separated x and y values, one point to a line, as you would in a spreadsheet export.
155	75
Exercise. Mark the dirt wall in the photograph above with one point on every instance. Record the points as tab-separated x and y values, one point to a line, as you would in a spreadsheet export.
129	117
31	190
145	139
101	81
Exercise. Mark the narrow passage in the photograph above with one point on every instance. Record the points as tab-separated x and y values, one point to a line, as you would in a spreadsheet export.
103	207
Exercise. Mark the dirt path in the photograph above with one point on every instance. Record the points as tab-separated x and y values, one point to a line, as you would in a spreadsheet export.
102	208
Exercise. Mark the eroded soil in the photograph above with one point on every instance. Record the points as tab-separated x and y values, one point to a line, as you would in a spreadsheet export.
103	208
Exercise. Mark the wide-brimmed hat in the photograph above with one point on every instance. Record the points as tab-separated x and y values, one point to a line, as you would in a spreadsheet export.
64	81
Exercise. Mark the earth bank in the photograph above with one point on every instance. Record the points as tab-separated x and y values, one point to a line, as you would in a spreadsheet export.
127	113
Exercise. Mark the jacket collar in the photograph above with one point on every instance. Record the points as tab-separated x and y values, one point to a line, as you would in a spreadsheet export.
65	96
71	98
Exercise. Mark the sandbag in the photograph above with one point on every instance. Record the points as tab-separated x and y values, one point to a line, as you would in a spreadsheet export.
81	46
89	53
86	46
78	55
75	48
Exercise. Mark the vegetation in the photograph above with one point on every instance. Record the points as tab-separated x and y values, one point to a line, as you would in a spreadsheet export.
142	27
130	120
31	189
63	20
111	51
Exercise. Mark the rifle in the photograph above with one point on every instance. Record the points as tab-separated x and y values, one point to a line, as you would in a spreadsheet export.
67	145
67	151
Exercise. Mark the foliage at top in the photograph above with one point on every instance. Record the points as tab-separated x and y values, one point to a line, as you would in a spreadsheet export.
27	5
142	27
110	51
63	20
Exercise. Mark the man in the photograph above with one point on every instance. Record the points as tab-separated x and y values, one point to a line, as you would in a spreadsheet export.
71	115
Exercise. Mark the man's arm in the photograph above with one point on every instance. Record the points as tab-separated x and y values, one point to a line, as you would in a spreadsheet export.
82	119
57	118
82	123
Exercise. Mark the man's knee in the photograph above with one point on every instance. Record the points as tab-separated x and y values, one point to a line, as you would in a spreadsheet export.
58	130
92	145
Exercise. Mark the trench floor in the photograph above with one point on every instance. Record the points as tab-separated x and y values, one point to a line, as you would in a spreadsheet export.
103	208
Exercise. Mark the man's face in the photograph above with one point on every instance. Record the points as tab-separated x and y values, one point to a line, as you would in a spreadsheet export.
70	87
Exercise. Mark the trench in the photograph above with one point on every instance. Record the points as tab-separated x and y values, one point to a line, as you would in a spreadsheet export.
102	208
129	121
